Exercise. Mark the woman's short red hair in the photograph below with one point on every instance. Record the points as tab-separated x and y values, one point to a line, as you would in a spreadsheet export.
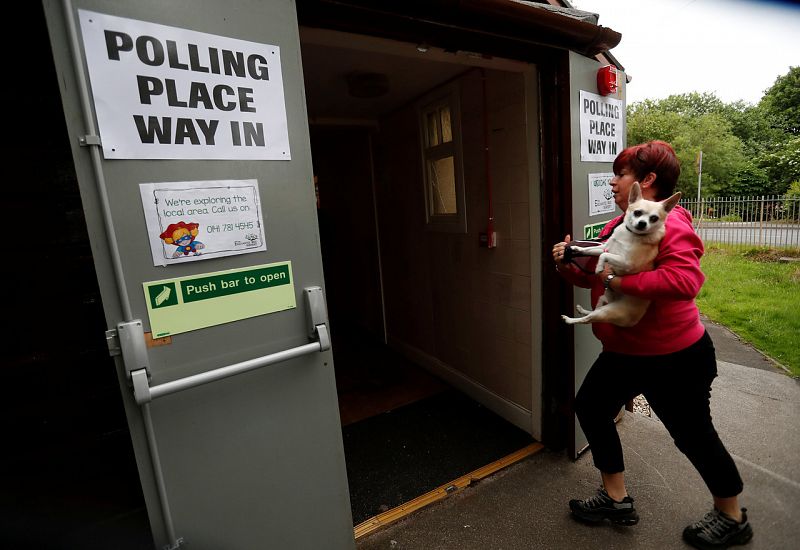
655	156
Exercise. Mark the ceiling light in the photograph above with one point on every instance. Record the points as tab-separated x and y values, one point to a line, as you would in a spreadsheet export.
367	85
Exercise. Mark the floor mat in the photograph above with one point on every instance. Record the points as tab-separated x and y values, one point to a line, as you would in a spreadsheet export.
402	454
372	379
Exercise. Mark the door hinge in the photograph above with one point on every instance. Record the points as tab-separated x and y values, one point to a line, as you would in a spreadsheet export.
88	140
112	341
176	545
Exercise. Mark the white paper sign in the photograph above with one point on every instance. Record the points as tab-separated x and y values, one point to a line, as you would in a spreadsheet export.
601	198
602	122
198	220
169	93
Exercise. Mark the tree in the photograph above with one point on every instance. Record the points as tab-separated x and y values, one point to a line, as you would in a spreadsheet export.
783	101
645	124
750	181
782	164
747	149
691	123
723	155
780	105
791	208
692	104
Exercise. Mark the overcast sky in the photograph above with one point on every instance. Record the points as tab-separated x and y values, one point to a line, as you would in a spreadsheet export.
735	48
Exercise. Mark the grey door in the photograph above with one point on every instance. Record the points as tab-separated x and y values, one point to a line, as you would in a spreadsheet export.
244	461
583	76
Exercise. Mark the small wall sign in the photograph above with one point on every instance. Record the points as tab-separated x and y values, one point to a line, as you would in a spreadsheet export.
601	198
196	220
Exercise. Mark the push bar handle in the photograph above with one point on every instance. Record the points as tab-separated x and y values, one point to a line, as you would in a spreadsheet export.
145	393
135	357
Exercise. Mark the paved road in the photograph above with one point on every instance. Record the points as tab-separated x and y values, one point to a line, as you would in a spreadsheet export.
751	233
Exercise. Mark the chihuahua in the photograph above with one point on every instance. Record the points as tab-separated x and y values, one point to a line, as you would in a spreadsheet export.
632	248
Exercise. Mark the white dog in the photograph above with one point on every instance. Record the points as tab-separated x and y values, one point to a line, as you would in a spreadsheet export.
632	248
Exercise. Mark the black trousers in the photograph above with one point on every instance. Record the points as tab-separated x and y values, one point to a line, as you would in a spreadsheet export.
678	388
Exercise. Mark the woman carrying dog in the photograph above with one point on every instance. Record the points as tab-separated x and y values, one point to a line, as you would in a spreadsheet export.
668	356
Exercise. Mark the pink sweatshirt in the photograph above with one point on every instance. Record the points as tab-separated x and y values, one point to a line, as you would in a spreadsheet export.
672	321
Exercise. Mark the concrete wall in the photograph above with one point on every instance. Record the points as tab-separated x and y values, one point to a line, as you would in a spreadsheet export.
464	308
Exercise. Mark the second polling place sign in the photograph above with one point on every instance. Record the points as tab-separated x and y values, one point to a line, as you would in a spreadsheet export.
168	93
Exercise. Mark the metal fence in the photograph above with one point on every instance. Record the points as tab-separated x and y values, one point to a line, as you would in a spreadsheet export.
745	222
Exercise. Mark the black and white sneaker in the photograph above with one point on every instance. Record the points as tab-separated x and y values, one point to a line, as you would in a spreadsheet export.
718	530
601	506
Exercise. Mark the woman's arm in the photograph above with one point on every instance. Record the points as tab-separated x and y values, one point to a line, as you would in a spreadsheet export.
677	275
575	276
568	271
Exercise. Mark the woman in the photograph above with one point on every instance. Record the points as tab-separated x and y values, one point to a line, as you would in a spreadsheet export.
668	356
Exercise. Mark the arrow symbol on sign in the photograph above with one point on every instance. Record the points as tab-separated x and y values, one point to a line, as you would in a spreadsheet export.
163	296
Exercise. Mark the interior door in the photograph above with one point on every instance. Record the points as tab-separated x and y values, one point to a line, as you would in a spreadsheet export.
231	401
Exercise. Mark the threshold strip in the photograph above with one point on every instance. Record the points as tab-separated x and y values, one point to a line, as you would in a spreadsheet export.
442	492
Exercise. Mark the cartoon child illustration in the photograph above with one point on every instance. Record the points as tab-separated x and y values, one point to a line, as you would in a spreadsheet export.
182	235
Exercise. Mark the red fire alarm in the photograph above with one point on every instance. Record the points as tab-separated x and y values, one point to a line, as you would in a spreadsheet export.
607	80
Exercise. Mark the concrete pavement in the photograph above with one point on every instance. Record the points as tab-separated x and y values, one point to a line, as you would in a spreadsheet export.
756	409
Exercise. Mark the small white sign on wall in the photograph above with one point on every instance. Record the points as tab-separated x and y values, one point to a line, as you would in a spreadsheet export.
601	198
198	220
169	93
602	121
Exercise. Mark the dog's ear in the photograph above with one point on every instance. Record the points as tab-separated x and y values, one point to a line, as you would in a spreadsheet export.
670	203
635	193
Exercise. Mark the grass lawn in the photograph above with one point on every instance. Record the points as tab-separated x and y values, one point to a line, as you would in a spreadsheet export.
757	297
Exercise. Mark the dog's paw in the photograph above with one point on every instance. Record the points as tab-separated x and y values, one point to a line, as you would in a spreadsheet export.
569	320
582	311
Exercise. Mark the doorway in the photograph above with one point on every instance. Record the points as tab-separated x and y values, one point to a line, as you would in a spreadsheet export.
469	314
444	296
370	378
432	334
405	430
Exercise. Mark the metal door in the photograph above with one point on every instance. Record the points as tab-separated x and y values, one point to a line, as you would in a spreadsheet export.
234	421
583	78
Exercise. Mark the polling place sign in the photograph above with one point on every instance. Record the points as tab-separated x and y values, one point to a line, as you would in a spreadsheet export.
602	121
164	92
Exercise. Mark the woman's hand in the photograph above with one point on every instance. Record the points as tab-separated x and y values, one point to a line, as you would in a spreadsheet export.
558	250
614	284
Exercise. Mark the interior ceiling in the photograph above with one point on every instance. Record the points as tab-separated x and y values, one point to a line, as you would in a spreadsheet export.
325	69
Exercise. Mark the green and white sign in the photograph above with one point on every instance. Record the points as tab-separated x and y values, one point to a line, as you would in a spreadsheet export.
592	231
199	301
